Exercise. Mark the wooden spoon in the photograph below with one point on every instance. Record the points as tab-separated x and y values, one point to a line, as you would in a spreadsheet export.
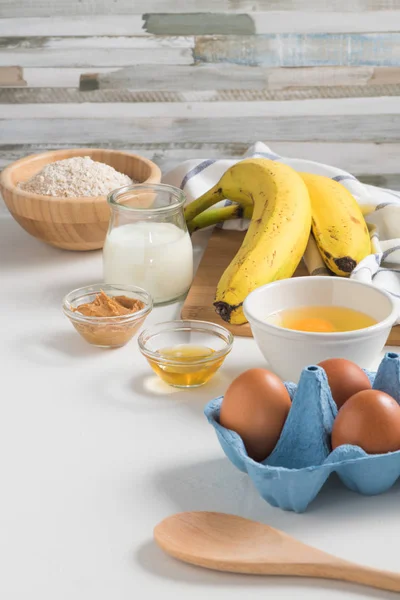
229	543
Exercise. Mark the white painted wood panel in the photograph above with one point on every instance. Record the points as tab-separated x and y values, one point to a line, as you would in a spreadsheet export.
88	42
209	78
60	78
72	24
42	8
344	128
368	107
226	76
205	78
89	52
278	21
357	158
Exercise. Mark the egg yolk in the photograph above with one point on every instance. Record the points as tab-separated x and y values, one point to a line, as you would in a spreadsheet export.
313	324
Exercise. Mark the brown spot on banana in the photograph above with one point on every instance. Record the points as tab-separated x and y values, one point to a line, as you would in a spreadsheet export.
345	263
224	310
333	234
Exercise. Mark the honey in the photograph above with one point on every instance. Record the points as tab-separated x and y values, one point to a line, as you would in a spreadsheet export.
321	319
186	365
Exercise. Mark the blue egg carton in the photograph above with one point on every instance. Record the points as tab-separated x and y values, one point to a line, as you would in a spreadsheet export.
302	460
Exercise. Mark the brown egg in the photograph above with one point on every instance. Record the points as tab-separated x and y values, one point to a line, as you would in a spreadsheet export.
256	405
345	379
369	419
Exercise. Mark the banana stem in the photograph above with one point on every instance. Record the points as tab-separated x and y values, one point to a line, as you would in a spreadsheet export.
205	201
219	215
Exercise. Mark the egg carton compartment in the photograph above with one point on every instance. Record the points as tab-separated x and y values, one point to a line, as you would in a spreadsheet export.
301	462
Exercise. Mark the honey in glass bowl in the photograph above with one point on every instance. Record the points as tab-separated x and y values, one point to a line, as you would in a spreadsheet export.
185	354
186	365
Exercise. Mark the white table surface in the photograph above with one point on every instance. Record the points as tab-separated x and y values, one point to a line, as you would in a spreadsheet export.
95	451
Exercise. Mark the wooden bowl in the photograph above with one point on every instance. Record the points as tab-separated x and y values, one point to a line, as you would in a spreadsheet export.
69	223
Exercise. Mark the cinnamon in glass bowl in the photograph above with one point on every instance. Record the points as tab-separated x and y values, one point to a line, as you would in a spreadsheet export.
107	315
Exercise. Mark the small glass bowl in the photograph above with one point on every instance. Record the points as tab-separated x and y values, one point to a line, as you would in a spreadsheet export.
185	354
106	332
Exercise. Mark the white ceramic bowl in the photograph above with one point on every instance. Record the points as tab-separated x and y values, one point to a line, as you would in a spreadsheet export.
288	351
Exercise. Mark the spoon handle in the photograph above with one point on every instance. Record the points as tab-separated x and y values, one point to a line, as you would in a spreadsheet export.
334	569
347	571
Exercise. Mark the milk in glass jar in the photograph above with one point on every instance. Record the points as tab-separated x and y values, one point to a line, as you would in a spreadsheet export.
147	242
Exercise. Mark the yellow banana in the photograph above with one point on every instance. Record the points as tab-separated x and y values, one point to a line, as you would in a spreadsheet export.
338	225
278	233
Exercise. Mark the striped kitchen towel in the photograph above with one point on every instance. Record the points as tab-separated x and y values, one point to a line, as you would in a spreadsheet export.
381	209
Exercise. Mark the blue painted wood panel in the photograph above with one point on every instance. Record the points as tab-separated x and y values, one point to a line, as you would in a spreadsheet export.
301	50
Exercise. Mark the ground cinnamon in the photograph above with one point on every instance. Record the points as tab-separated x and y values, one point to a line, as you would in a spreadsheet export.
107	306
115	332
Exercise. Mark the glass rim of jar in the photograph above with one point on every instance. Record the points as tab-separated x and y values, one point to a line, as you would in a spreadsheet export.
185	325
177	193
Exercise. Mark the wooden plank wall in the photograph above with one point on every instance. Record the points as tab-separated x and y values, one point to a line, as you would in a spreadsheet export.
172	80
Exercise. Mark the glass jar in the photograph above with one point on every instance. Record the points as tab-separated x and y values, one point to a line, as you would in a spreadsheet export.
147	242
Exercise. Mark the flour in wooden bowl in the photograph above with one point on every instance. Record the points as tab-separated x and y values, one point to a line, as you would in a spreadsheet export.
75	177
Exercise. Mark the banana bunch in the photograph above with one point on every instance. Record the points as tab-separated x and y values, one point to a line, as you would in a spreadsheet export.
277	199
283	206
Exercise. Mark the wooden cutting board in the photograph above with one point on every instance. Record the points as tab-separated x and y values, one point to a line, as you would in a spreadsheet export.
221	248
